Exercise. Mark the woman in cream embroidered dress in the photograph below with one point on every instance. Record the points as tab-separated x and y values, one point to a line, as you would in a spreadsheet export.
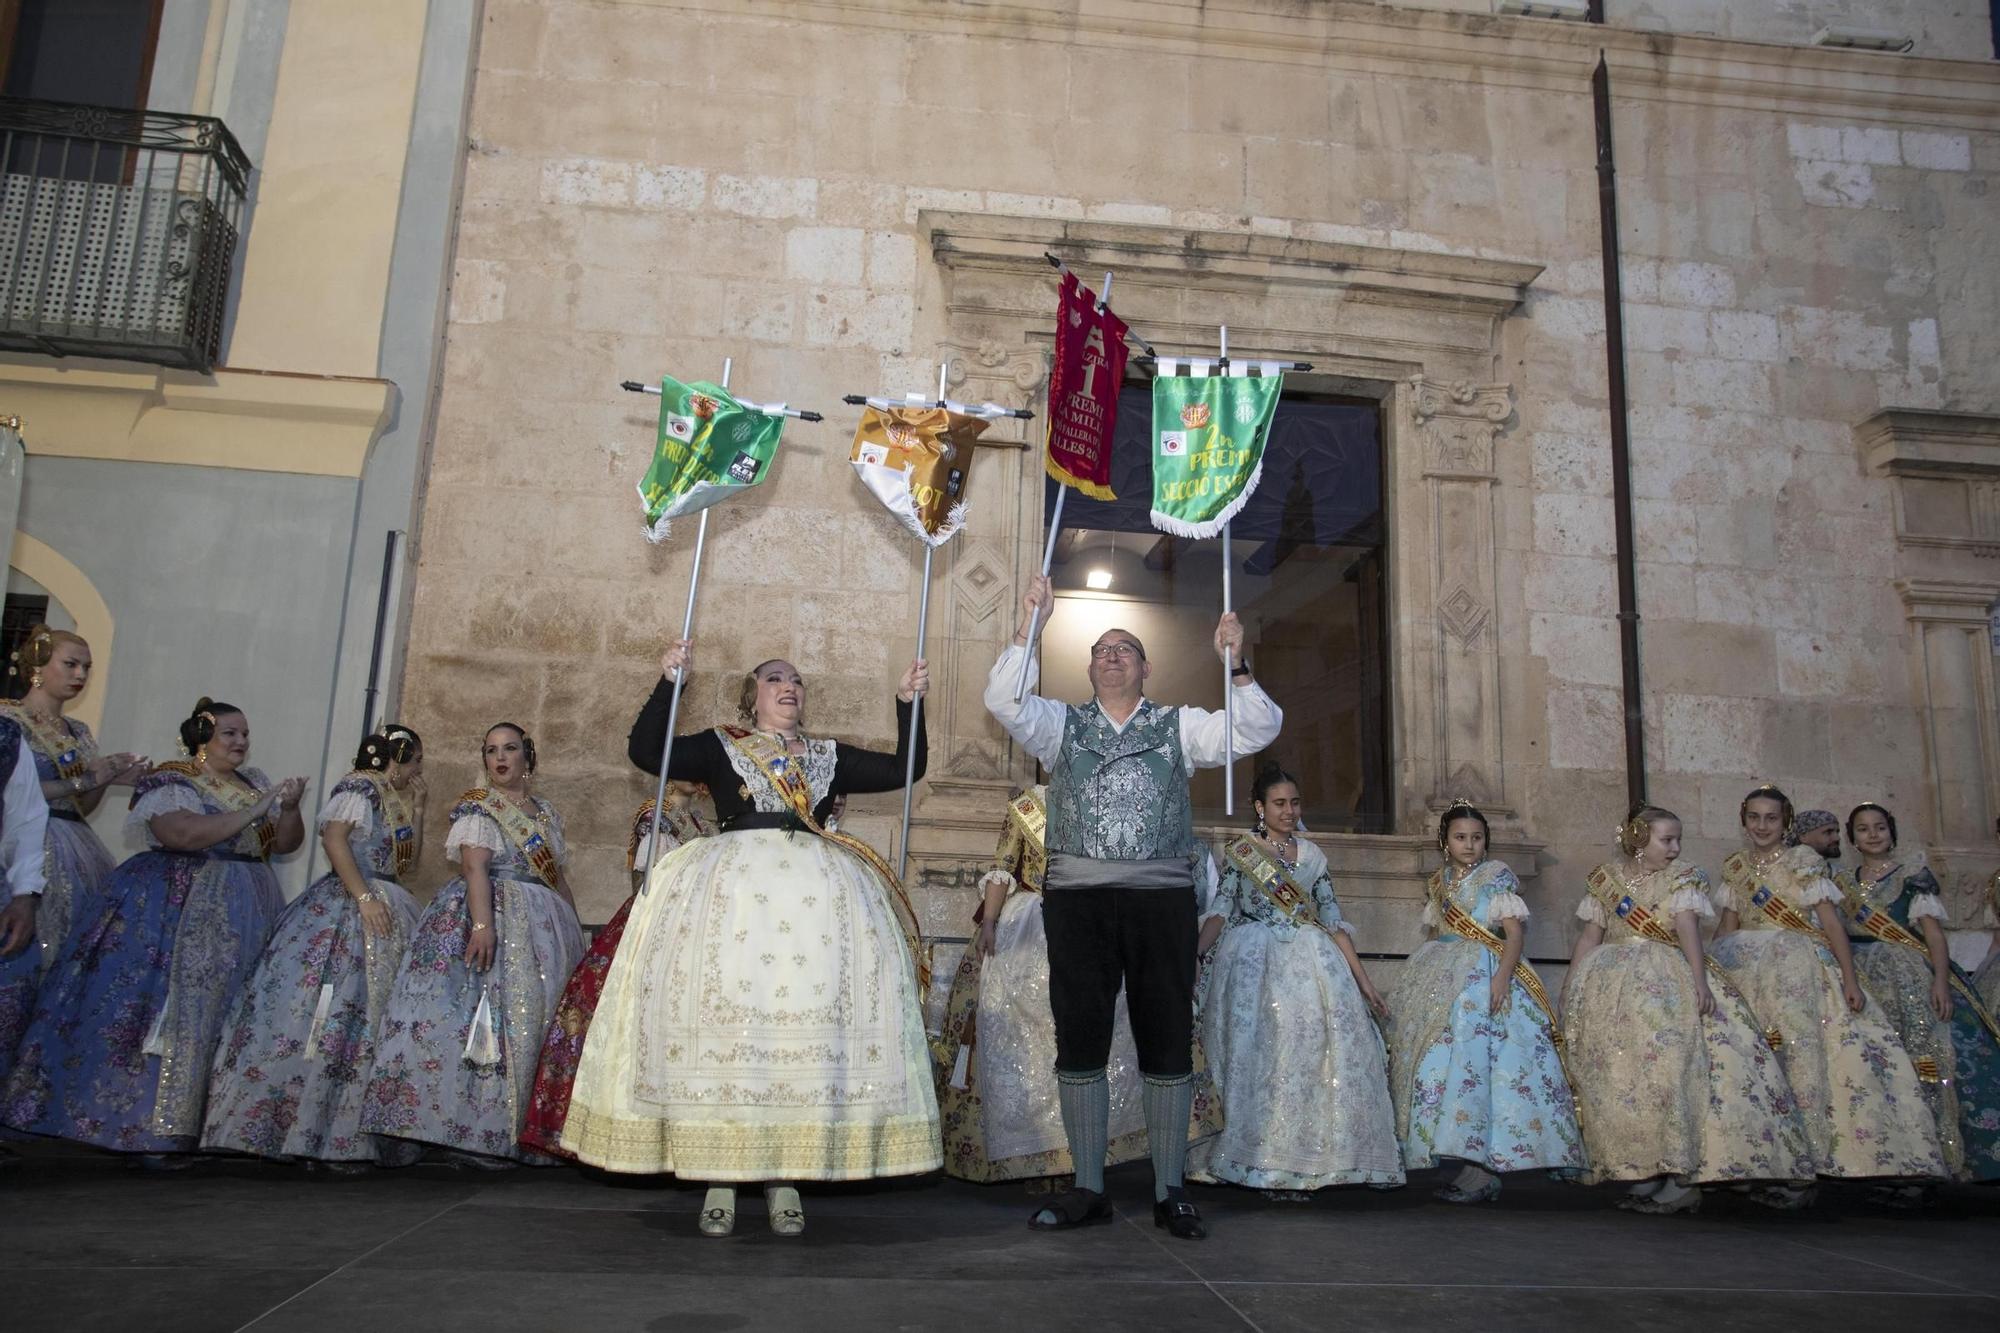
1288	1018
1675	1083
294	1061
1473	1067
1943	1030
55	665
1857	1091
762	1020
997	1099
562	1047
118	1051
455	1052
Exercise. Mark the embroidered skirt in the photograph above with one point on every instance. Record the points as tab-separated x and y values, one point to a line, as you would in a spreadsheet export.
295	1058
455	1053
1470	1085
760	1022
1663	1091
1864	1113
1299	1065
76	866
118	1051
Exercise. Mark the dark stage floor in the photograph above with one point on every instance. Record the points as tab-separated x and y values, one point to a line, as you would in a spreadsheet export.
86	1245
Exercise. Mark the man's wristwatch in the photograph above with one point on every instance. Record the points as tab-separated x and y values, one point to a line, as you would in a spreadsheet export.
1240	669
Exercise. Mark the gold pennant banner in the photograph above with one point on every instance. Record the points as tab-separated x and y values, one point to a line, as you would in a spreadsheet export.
918	461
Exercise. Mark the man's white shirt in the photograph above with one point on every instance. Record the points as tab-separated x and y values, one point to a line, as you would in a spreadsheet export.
1036	724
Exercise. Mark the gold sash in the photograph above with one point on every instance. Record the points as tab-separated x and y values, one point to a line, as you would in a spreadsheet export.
1461	922
1611	896
400	815
525	833
789	777
682	825
1274	880
1030	816
55	744
1765	899
1887	929
231	796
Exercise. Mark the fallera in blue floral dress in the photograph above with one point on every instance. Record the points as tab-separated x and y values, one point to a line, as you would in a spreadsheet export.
456	1051
118	1051
75	865
295	1058
1470	1085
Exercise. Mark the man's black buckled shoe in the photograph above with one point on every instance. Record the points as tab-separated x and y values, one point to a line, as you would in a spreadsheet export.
1179	1216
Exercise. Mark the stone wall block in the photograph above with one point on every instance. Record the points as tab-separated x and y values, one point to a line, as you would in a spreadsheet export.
1937	152
766	196
1751	597
1571	464
759	312
1744	335
1579	650
858	318
1704	286
1586	728
1697	658
1659	328
1743	386
1574	525
1710	733
675	189
824	256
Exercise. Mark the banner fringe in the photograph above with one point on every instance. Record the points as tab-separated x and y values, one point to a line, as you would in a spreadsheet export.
1094	490
1212	527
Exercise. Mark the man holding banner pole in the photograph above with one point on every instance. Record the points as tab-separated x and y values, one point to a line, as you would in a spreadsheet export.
1119	894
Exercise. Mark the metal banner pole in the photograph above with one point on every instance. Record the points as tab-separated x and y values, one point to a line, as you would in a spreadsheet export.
1228	682
917	699
680	683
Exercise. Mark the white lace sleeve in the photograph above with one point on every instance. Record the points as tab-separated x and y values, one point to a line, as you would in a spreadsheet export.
347	807
1507	907
1723	897
1691	900
1817	890
1432	919
165	799
1591	912
474	830
1929	905
999	876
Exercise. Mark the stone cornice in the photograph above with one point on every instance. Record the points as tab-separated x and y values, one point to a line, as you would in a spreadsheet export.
1231	261
1494	51
259	421
1914	442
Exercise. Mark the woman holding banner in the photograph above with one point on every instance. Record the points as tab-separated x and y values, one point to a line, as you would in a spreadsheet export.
562	1047
762	1020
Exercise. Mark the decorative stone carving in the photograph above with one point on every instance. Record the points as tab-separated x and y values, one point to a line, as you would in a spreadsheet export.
1456	424
1946	472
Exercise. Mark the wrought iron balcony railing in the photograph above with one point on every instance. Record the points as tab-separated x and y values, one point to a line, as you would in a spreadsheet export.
117	231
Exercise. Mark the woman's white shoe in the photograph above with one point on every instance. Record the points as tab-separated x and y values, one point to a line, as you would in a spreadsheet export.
788	1215
718	1211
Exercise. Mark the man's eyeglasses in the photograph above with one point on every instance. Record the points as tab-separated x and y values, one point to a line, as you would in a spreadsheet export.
1105	652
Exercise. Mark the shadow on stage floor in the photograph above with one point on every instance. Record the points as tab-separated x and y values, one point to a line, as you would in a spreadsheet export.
86	1244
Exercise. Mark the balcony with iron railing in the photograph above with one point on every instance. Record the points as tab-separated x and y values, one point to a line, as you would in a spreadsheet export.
117	232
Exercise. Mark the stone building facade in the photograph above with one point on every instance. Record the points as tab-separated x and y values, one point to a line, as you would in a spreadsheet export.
1407	196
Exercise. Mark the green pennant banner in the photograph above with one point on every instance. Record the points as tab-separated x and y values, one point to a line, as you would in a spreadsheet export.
711	447
1208	446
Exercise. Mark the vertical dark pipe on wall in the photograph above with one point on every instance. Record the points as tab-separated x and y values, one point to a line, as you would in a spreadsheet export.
373	691
1621	444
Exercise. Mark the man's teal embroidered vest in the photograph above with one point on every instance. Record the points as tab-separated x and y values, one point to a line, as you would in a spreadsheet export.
1121	796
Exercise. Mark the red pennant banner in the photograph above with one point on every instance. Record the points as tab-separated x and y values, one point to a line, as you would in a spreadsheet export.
1083	391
